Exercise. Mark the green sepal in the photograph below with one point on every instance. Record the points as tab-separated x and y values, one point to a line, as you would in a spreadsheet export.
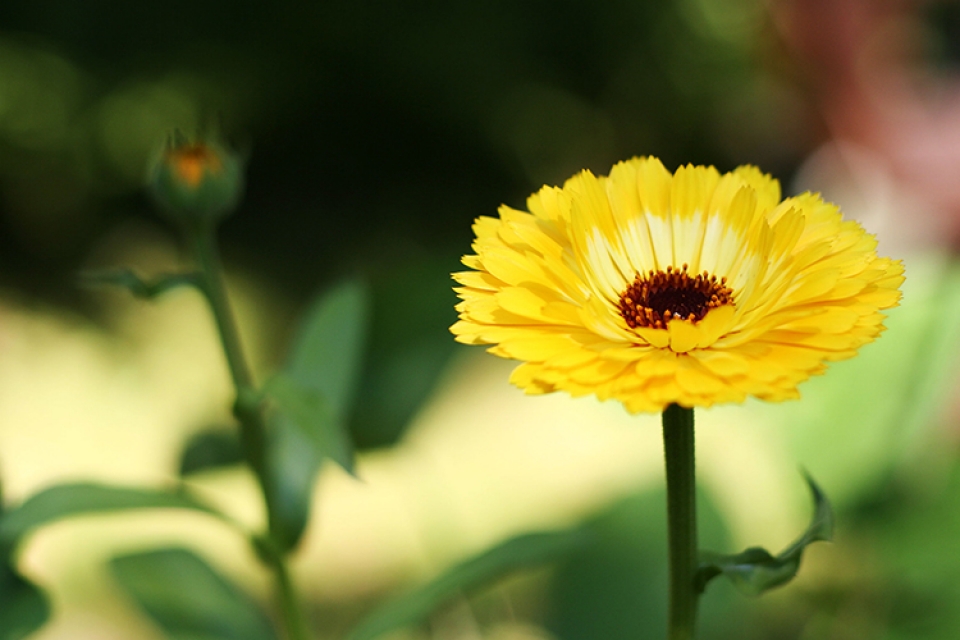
211	193
522	552
756	570
210	449
139	287
67	500
188	599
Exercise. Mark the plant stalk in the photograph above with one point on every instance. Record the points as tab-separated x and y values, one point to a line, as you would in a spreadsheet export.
678	446
248	413
293	619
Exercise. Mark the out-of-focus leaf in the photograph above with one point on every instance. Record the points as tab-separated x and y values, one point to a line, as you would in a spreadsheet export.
136	285
614	587
328	350
309	410
295	461
302	434
522	552
913	530
311	399
756	570
23	607
409	345
188	599
63	501
210	449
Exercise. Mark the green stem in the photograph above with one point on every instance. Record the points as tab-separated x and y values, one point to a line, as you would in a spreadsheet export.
247	410
678	445
293	618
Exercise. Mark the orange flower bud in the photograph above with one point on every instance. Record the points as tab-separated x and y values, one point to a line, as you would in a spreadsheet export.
197	182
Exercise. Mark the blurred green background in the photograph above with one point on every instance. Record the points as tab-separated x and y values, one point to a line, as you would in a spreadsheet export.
375	132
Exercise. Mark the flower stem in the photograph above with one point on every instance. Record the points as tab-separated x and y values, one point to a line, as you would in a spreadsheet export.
248	413
293	618
678	445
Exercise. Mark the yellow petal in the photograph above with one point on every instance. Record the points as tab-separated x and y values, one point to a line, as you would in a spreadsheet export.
696	380
716	323
655	337
684	335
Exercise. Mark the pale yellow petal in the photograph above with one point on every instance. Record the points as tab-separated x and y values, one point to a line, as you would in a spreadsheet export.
684	335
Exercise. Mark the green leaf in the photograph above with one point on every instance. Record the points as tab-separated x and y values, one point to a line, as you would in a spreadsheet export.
295	463
518	553
409	346
755	570
310	412
210	449
327	353
23	607
63	501
136	285
309	403
188	599
302	434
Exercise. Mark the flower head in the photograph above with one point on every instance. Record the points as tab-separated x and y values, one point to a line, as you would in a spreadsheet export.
654	288
196	181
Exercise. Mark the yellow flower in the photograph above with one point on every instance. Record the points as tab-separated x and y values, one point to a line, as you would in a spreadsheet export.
654	288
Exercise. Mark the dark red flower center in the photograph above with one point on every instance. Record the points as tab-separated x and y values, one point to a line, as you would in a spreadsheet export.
655	298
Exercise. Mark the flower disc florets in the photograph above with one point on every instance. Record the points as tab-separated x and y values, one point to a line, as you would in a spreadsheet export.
654	299
656	288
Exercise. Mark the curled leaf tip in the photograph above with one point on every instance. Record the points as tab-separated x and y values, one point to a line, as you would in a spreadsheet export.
756	570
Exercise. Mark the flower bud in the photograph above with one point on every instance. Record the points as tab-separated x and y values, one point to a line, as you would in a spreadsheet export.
196	182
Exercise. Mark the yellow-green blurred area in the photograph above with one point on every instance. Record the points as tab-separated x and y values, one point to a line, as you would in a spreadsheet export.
375	132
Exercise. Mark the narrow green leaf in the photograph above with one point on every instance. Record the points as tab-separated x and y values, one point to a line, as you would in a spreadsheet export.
328	351
309	403
295	462
136	285
188	599
756	570
309	410
23	607
63	501
210	449
518	553
407	348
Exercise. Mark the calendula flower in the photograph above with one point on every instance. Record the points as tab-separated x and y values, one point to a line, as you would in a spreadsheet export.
654	288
